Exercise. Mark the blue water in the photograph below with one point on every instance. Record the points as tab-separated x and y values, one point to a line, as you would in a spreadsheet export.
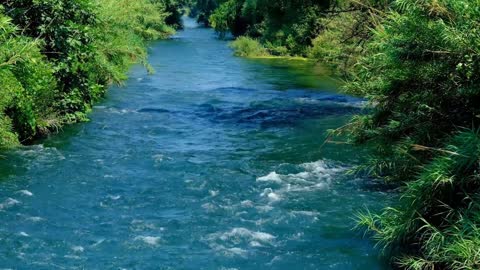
213	162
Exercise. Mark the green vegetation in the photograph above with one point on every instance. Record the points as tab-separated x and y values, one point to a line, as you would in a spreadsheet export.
333	32
437	222
57	57
418	64
248	47
284	27
421	73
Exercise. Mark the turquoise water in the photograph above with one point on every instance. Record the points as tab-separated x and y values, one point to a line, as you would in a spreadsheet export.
213	162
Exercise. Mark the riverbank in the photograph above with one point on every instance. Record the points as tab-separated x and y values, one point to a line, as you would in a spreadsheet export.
58	59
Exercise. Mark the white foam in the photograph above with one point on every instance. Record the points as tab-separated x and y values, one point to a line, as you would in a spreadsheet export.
78	249
315	173
247	203
296	236
231	243
322	186
35	219
229	252
304	100
73	257
196	185
100	161
321	167
8	203
24	234
255	244
158	158
264	208
209	207
121	111
272	196
140	225
41	152
314	176
100	241
305	213
25	192
266	192
213	193
275	260
238	251
150	240
114	197
271	177
243	233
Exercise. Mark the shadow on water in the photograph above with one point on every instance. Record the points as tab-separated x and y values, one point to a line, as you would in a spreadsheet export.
287	109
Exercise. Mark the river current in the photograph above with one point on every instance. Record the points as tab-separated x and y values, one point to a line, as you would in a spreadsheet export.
213	162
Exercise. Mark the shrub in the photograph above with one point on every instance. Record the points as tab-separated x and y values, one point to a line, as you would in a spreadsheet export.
248	47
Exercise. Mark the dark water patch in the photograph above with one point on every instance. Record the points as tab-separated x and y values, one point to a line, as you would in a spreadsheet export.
287	110
371	184
234	89
153	110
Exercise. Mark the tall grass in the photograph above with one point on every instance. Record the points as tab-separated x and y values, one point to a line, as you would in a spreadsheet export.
437	223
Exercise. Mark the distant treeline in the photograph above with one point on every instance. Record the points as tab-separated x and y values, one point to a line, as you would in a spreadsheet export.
418	63
57	57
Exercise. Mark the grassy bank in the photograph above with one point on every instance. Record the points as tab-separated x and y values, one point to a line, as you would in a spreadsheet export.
418	64
57	58
251	48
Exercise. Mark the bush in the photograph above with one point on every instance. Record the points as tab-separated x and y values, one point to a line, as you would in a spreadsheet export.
248	47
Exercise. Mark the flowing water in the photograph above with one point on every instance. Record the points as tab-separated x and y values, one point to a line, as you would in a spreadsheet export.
213	162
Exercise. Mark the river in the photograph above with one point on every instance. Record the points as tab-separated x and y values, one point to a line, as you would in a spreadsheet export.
213	162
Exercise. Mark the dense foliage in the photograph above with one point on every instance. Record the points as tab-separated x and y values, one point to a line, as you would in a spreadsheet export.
418	64
58	56
301	28
421	73
285	26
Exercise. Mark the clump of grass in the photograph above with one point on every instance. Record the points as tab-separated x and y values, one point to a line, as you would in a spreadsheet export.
248	47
